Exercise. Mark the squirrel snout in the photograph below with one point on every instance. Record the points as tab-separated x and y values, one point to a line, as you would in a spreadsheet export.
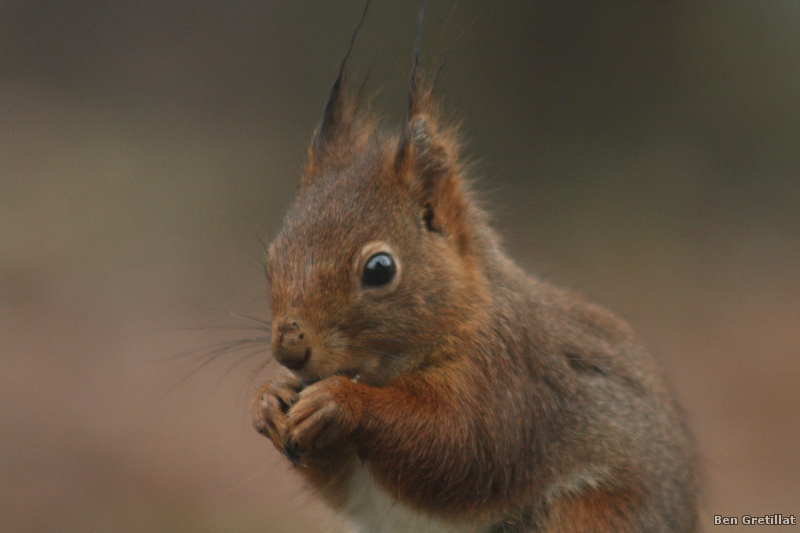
291	345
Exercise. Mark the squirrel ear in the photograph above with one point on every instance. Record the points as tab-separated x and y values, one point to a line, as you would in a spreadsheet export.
426	157
429	169
429	157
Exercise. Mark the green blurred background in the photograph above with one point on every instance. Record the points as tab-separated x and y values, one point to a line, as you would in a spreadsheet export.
646	153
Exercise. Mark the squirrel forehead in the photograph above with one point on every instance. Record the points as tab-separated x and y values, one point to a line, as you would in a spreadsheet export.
337	213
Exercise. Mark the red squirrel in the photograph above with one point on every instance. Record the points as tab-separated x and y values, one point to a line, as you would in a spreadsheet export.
433	386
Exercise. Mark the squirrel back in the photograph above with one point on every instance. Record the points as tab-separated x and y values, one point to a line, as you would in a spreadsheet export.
432	384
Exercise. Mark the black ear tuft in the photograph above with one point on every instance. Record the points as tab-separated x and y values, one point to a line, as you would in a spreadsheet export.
413	97
333	113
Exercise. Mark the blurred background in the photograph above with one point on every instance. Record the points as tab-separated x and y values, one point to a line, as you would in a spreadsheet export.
645	153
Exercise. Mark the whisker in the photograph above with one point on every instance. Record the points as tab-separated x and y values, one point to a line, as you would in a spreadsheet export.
228	348
253	375
264	247
239	362
262	263
250	227
197	328
208	358
230	344
229	313
215	310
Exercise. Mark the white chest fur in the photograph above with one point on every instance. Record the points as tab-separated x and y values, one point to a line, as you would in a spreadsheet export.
371	510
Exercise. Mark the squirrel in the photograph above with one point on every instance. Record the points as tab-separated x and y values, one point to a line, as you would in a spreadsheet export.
433	386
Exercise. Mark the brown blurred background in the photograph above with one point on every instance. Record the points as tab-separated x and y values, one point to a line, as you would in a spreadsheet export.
646	153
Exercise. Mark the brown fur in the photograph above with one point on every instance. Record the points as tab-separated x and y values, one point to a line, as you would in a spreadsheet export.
474	392
597	512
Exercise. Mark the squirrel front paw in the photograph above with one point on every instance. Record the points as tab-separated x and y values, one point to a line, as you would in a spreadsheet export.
270	406
325	413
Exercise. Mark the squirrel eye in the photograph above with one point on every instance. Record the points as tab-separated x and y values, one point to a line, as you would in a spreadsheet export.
379	270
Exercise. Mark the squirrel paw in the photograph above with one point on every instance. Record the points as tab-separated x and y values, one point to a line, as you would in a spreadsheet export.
270	406
319	418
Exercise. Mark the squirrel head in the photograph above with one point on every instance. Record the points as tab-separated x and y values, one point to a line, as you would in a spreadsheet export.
377	264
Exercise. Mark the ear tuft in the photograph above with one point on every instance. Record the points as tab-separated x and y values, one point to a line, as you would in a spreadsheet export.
421	134
338	115
431	157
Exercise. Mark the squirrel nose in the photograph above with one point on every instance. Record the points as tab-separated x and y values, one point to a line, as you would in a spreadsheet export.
291	347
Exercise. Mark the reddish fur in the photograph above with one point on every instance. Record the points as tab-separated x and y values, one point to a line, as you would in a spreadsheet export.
596	512
480	389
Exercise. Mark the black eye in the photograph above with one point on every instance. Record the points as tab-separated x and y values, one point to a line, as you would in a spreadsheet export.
379	270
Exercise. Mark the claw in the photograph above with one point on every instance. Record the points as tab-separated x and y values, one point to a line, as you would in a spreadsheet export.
286	404
292	452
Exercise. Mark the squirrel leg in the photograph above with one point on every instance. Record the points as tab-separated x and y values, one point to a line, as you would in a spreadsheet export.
421	445
424	443
312	423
